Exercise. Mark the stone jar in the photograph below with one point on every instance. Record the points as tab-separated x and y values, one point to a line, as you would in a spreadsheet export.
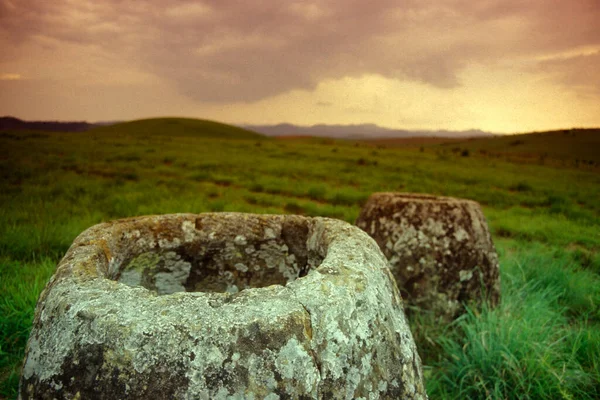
440	250
222	306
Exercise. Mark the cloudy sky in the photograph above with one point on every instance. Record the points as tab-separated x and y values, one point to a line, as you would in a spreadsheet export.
497	65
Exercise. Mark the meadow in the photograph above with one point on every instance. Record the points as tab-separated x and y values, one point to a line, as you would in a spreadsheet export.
541	342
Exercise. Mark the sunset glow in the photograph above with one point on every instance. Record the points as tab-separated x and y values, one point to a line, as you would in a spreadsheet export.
496	65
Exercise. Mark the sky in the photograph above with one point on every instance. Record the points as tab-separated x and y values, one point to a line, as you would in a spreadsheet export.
499	65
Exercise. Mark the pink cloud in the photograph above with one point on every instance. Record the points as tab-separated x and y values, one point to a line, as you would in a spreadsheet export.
234	50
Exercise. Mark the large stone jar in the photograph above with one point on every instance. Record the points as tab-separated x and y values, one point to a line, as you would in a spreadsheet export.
440	250
221	306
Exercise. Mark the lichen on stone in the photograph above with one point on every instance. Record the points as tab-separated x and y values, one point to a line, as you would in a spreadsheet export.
439	248
316	313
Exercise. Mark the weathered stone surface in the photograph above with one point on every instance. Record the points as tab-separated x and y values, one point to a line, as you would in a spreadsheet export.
222	306
440	250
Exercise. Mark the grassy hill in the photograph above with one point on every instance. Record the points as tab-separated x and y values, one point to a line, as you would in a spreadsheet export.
542	342
574	148
177	127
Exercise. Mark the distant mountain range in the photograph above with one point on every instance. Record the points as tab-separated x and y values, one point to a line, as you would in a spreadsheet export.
11	123
362	131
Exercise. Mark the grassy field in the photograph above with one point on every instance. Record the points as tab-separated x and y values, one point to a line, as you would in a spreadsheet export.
576	148
543	341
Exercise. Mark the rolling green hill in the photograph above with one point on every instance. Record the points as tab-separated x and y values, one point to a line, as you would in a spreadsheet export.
177	127
575	147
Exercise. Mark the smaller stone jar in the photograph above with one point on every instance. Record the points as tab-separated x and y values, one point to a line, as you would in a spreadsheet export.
440	250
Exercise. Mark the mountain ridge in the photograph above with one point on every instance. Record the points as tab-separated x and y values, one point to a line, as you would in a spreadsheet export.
366	131
360	131
12	123
337	131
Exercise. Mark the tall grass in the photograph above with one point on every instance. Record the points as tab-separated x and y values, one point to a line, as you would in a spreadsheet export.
528	346
21	284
